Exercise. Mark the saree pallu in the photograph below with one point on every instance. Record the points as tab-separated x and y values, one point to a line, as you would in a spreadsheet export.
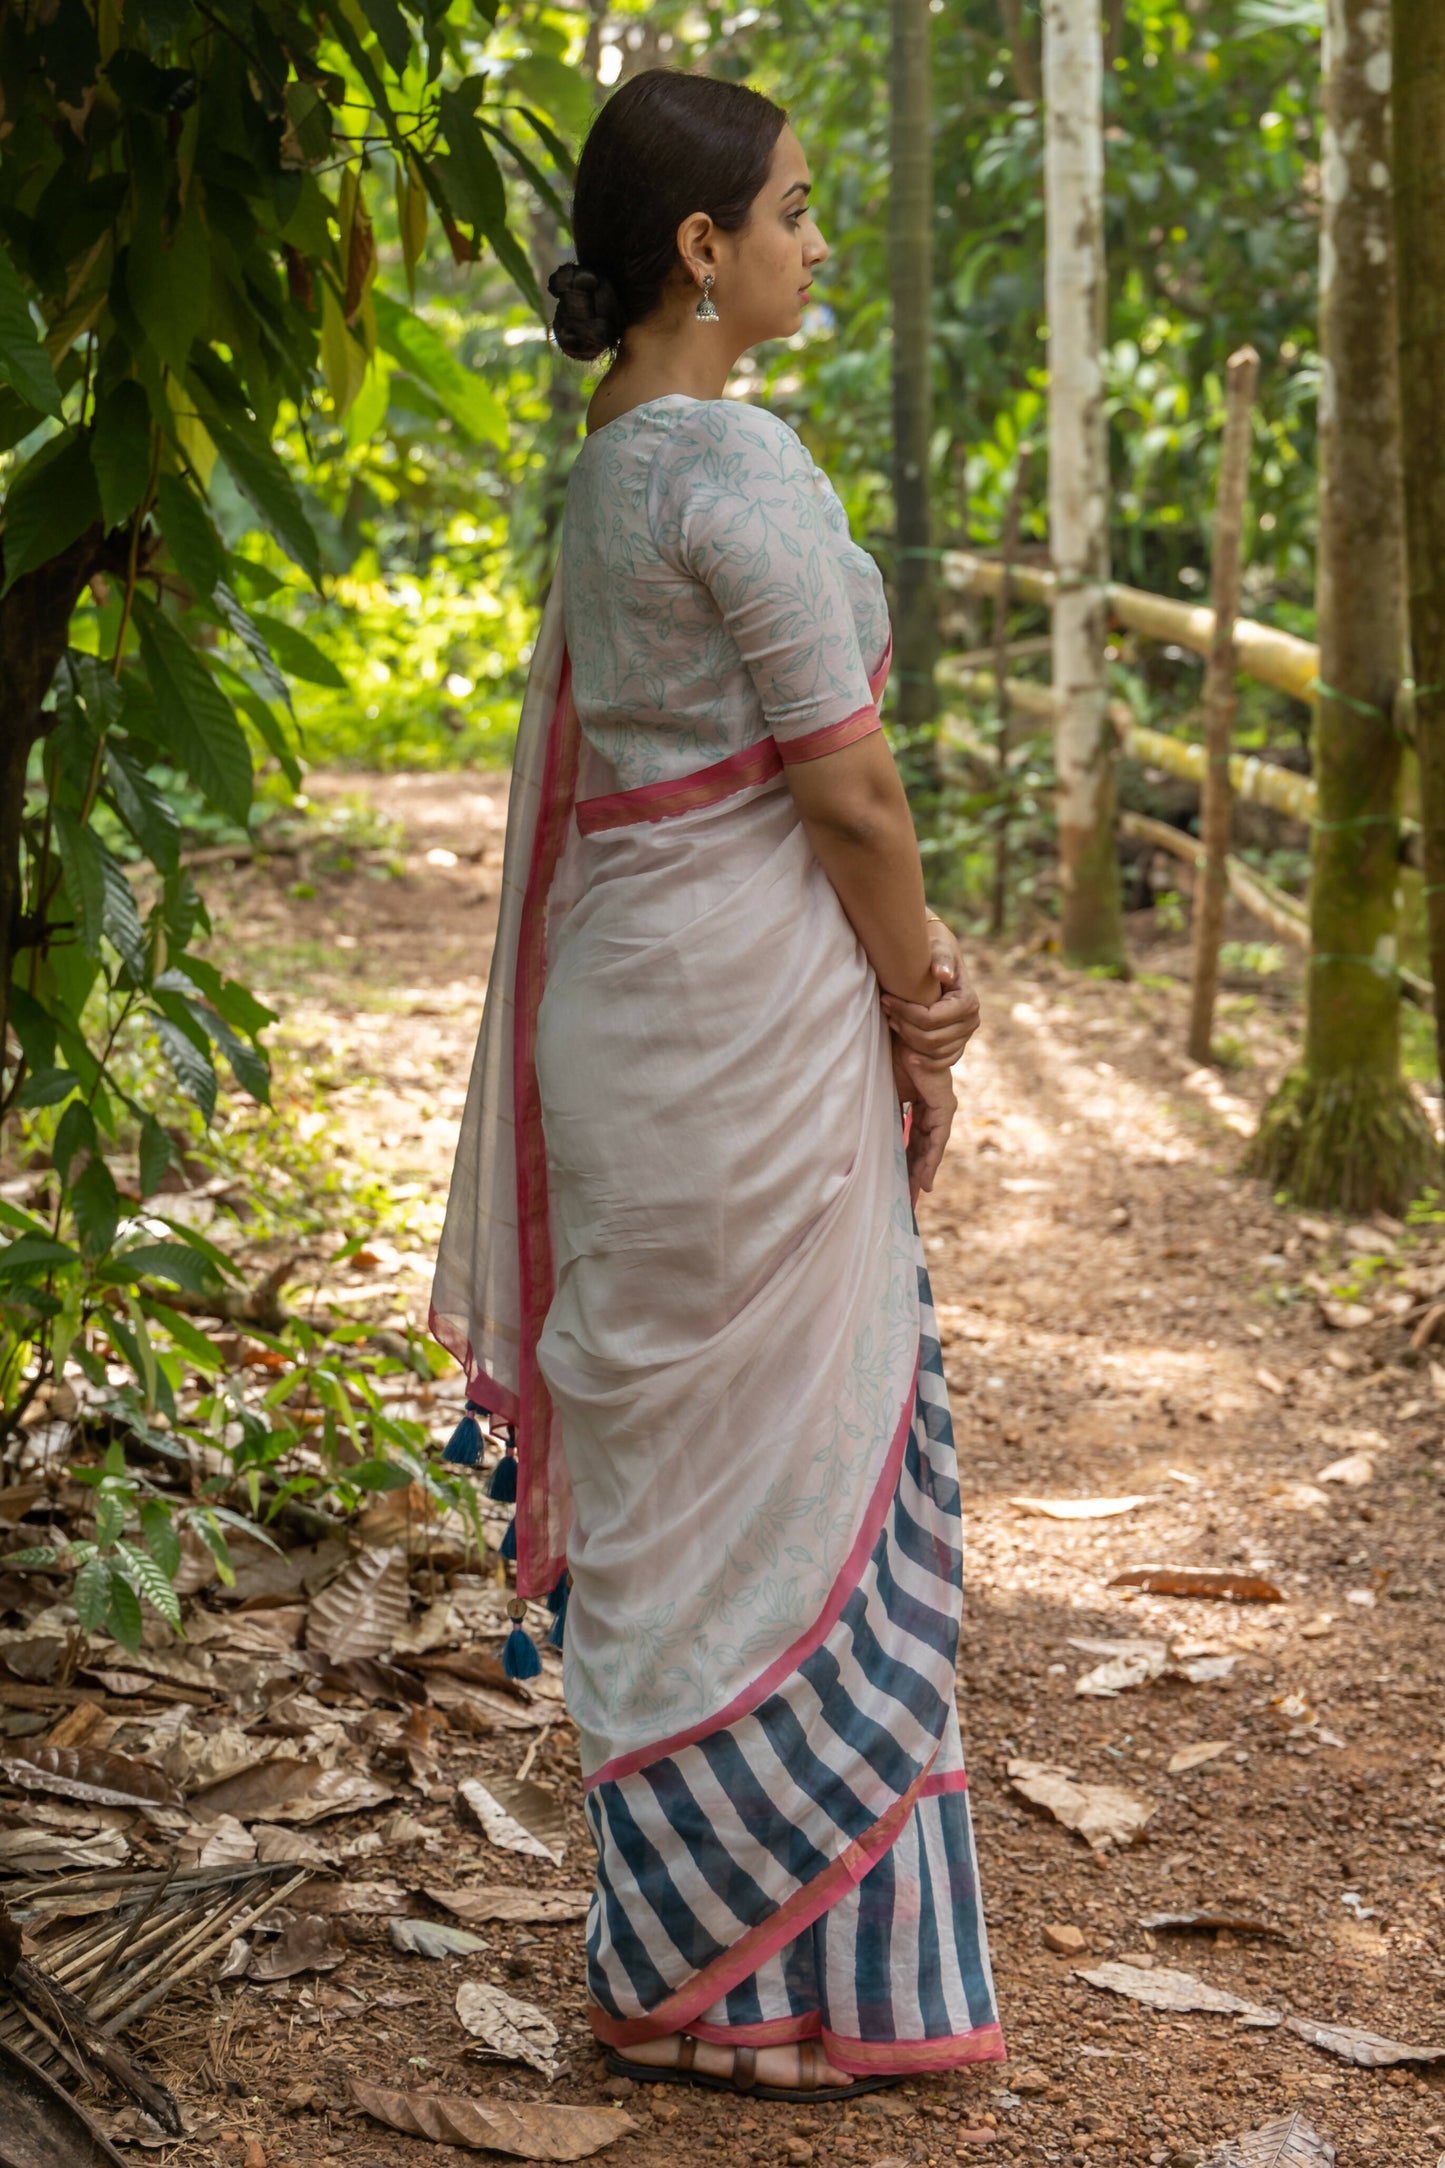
680	1258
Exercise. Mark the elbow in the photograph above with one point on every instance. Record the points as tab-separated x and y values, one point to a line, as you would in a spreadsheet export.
863	821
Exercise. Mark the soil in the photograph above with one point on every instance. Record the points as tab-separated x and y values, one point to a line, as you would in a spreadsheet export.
1125	1316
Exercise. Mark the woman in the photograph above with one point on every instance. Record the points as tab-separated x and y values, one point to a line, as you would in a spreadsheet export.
680	1257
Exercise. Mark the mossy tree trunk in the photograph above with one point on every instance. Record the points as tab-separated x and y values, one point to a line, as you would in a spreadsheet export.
910	266
1420	227
1092	919
1346	1130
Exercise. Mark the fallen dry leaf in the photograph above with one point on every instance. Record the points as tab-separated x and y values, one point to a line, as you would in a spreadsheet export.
1200	1581
374	1899
1355	1470
80	1772
220	1842
496	1901
336	1791
1291	2143
45	1851
432	1938
440	1626
513	2031
1208	1918
531	2130
274	1844
309	1944
1194	1757
362	1611
1078	1509
1369	2050
1102	1814
518	1817
291	1791
1136	1662
1161	1989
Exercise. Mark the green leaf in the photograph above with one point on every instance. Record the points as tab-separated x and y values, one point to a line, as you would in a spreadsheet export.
145	1574
200	1352
91	1594
412	343
47	1087
80	867
377	1475
49	505
171	1261
229	997
162	1540
157	1154
196	549
472	176
23	359
95	1204
74	1132
299	654
271	494
210	1534
38	1555
393	32
193	1070
199	724
32	1257
120	451
122	919
239	620
24	1223
168	282
555	88
123	1614
144	808
33	1026
272	733
529	168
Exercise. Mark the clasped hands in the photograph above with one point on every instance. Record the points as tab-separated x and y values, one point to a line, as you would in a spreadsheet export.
928	1039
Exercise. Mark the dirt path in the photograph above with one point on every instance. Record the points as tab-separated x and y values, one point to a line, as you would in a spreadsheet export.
1124	1318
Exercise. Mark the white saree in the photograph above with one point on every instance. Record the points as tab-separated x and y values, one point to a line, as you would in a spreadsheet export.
679	1259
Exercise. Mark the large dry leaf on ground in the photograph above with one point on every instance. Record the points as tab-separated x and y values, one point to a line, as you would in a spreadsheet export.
35	1657
260	1790
79	1772
496	1901
220	1842
366	1899
308	1945
336	1791
362	1611
274	1844
484	1709
196	1759
1206	1919
1126	1664
1194	1757
515	2032
262	1571
1368	2050
1288	2144
47	1851
433	1938
1221	1581
518	1817
168	1664
531	2130
1161	1989
1078	1509
1102	1814
440	1626
477	1669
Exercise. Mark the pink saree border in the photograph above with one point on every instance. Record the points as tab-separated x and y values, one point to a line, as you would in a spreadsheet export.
832	738
538	1569
683	793
482	1390
849	1574
864	2058
745	1956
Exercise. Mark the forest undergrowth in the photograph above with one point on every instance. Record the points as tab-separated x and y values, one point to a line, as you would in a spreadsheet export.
1153	1366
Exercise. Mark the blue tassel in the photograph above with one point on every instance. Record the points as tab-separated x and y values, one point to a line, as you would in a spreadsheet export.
503	1486
557	1605
519	1651
464	1447
507	1548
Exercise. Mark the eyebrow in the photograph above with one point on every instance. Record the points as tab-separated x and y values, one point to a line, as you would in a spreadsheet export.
804	186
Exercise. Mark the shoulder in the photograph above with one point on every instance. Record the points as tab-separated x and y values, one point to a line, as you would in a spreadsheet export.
720	436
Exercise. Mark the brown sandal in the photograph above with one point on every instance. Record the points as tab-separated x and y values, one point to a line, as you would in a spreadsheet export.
743	2079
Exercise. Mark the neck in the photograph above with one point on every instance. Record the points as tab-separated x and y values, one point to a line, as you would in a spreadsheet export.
682	356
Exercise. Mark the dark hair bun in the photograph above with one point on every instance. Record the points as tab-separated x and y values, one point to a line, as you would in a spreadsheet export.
589	319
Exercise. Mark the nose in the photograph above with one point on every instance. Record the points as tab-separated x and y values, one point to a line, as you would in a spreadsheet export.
817	251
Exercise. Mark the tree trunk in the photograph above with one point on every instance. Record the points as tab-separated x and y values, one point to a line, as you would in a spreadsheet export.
1221	697
1019	36
1092	928
910	265
1420	227
1346	1130
34	630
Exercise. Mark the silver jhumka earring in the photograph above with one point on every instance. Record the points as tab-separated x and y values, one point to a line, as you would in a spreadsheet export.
706	313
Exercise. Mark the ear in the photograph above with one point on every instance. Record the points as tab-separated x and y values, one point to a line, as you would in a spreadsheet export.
697	246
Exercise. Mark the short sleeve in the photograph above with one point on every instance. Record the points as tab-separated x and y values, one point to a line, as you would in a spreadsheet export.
738	505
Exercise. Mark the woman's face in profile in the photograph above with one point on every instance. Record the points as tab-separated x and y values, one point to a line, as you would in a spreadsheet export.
765	270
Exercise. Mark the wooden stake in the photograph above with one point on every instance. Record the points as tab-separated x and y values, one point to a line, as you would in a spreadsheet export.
1221	695
1013	518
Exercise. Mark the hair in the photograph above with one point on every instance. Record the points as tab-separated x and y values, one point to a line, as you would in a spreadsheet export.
664	146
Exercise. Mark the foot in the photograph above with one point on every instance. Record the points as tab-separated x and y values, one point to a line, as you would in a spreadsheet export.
800	2067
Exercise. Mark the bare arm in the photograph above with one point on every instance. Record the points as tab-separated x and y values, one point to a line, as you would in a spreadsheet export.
853	808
